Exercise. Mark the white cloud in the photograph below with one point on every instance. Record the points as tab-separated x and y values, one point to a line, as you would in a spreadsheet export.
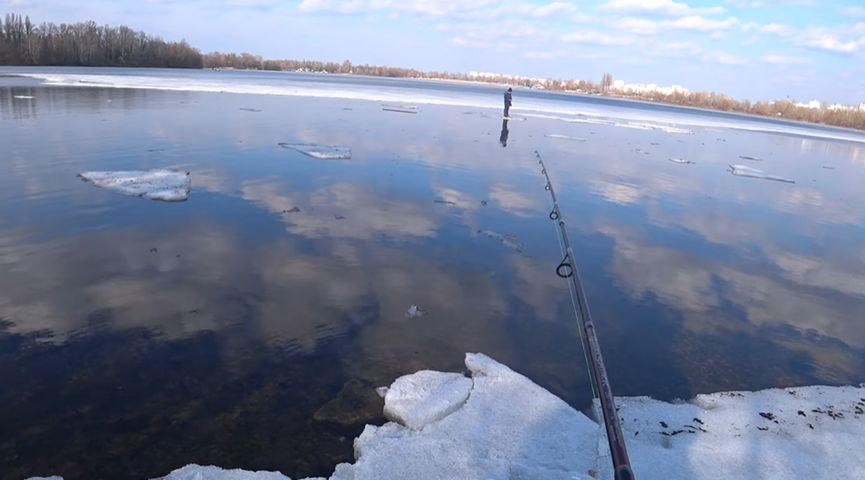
331	6
596	38
702	24
677	49
657	7
468	42
776	29
830	42
784	60
543	54
722	58
853	11
640	26
555	8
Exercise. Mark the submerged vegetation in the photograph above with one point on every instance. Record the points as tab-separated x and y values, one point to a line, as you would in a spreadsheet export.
87	44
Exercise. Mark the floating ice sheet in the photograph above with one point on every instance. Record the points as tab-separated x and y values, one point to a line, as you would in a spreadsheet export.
507	240
565	137
745	171
400	108
424	397
682	161
321	152
160	184
23	97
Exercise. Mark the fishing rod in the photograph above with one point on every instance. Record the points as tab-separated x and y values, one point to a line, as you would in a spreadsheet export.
567	270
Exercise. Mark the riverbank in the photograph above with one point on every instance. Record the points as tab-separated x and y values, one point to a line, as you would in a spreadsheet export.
498	424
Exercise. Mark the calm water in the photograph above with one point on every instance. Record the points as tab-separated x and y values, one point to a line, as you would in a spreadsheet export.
139	336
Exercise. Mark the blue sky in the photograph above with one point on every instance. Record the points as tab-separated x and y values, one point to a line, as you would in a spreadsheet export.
756	49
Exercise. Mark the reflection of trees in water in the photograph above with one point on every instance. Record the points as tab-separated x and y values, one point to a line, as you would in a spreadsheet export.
62	99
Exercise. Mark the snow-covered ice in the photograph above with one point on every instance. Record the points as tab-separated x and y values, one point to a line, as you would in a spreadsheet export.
424	397
160	184
498	424
813	432
746	171
565	137
198	472
321	152
549	108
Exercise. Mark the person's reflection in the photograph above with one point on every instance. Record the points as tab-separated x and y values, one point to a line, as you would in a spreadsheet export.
503	138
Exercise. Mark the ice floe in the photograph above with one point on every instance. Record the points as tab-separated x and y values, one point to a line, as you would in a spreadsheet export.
414	311
506	240
565	137
23	97
749	157
160	184
400	108
321	152
681	160
198	472
745	171
424	397
498	425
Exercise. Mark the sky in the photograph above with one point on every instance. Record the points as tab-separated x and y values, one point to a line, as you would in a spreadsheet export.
754	49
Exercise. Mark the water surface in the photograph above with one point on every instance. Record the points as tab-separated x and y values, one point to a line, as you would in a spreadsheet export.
138	336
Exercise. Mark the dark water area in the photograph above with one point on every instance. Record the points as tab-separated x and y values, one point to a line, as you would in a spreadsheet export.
247	326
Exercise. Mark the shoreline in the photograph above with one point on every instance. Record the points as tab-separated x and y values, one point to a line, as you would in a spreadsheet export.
497	424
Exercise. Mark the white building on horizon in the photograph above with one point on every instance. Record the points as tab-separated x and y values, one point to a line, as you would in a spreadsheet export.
813	104
621	86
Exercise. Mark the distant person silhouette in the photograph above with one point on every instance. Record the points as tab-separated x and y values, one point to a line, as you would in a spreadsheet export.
503	138
508	100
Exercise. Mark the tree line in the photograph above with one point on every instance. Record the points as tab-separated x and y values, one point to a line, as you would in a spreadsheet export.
88	44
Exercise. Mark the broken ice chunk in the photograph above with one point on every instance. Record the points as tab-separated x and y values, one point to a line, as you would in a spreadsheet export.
424	397
749	157
743	171
321	152
506	240
160	184
681	160
414	311
23	97
565	137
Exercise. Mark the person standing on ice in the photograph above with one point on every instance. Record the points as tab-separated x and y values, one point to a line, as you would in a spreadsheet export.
508	99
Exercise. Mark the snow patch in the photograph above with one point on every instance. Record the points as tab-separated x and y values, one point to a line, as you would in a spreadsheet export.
321	152
565	137
160	184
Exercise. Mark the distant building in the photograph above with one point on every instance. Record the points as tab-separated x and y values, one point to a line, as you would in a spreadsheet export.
641	88
813	104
